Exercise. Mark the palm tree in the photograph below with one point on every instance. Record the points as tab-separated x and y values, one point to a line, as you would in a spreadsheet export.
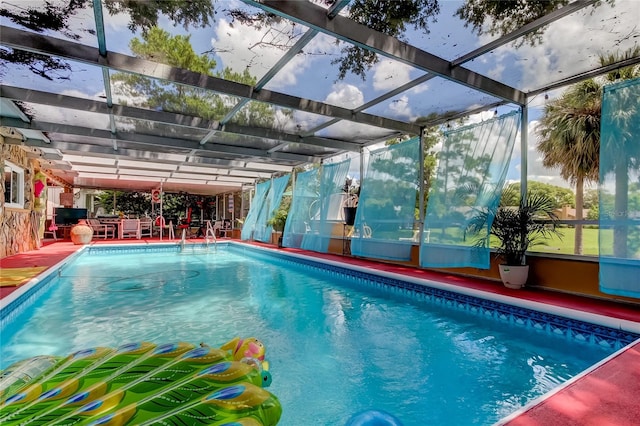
570	140
570	131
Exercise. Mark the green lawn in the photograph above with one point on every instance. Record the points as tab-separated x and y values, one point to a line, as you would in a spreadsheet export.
565	244
555	244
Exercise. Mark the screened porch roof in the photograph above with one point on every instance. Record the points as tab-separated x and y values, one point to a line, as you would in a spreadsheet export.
91	129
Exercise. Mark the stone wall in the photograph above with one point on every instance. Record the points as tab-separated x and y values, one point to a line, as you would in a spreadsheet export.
16	227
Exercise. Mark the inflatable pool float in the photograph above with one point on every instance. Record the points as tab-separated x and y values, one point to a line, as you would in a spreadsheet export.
142	383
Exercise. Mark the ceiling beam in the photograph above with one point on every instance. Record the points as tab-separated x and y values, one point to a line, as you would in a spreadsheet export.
346	29
381	98
84	149
158	141
586	75
71	102
45	45
524	30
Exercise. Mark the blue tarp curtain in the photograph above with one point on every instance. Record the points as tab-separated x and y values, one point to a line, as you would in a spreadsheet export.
305	199
386	210
254	210
332	179
619	191
472	168
262	231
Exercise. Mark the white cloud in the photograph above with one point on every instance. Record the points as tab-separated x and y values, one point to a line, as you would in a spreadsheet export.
388	74
400	108
571	45
345	95
536	171
239	46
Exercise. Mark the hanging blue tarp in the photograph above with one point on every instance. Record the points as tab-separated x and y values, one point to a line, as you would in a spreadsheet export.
305	198
332	178
254	210
619	191
472	168
387	206
262	231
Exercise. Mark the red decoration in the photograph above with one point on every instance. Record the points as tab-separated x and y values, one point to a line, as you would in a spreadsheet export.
37	188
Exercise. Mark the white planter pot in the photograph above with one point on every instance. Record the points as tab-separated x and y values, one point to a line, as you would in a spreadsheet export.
514	276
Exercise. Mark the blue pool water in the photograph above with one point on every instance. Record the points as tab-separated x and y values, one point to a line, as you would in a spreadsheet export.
336	346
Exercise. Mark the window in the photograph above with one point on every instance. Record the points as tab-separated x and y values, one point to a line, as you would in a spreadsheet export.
13	185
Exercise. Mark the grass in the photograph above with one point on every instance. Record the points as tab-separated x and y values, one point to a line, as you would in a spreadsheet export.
556	244
566	243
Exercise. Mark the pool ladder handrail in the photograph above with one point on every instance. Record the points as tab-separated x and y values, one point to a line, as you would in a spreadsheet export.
210	235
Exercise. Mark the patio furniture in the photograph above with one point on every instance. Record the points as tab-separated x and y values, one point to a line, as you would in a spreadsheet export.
185	224
102	229
161	226
50	228
146	227
226	228
129	228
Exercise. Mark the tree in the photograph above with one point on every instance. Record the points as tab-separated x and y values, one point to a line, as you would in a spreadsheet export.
591	198
393	18
158	45
430	138
56	17
498	18
570	133
570	140
560	196
134	203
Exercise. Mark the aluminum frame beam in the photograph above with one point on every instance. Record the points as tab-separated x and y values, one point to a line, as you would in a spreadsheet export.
103	151
524	30
71	102
37	43
357	34
381	98
586	75
159	141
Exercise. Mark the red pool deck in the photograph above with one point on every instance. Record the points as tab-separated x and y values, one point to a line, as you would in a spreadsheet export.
606	395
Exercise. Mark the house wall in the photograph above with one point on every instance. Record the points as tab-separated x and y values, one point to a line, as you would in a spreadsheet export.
19	226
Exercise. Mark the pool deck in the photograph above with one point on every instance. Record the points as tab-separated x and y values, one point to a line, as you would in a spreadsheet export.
605	395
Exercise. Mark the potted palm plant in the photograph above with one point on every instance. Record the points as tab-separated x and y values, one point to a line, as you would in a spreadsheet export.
517	228
277	221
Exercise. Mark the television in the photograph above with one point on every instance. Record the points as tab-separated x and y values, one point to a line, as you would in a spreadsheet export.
69	216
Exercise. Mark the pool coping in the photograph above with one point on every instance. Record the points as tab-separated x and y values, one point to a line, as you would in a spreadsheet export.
593	318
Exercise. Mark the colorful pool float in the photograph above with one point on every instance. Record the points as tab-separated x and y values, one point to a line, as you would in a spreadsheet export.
142	383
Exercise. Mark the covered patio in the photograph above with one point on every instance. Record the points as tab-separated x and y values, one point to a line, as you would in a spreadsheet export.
250	92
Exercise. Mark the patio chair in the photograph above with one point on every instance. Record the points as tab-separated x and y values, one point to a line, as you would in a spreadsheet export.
226	228
129	228
146	227
163	228
50	228
185	224
101	229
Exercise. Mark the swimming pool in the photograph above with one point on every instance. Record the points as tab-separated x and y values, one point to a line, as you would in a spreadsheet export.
339	340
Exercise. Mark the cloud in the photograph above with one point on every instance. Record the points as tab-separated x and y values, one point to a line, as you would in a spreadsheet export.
536	171
388	74
563	47
240	46
345	95
400	108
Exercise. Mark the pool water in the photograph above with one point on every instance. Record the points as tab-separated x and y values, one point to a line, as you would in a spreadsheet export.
335	347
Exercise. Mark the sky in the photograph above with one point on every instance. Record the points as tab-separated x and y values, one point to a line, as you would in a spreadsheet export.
312	75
